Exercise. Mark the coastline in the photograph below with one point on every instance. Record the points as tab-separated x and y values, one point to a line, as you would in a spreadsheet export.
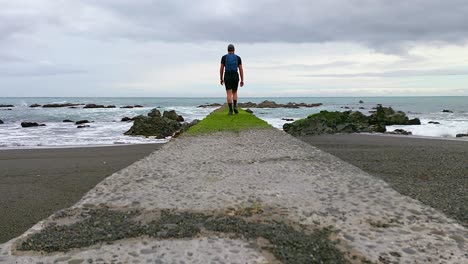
431	170
34	183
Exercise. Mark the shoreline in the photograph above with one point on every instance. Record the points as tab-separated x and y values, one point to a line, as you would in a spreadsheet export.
34	183
80	146
462	139
434	172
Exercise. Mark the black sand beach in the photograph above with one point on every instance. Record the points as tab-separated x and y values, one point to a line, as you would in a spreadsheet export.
433	171
35	183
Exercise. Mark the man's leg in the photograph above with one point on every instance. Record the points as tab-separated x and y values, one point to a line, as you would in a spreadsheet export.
234	95
229	100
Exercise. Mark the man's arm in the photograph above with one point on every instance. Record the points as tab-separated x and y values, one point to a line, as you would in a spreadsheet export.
241	72
221	71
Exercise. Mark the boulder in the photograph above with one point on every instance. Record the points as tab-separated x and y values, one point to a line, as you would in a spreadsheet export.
35	105
173	115
447	111
414	121
81	122
6	105
98	106
31	124
210	105
362	108
60	105
387	116
127	106
83	126
272	104
249	111
361	102
433	122
267	104
327	122
68	121
159	127
287	119
138	106
126	119
462	135
1	122
399	132
185	127
154	113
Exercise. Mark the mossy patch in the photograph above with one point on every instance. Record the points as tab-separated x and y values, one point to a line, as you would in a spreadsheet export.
288	244
220	121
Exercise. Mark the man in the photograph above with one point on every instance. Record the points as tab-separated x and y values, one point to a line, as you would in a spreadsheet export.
229	65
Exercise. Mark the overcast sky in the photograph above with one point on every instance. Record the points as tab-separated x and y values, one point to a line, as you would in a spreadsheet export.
288	48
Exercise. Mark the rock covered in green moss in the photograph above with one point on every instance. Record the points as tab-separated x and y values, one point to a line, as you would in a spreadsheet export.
157	125
327	122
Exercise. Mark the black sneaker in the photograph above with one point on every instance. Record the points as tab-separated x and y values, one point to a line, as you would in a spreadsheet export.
230	112
235	111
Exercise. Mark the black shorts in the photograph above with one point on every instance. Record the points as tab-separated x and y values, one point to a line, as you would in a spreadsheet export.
231	81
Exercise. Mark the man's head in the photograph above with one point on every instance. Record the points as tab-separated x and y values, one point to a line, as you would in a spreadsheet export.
230	48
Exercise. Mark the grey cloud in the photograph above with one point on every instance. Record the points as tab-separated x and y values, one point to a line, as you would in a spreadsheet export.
381	24
400	73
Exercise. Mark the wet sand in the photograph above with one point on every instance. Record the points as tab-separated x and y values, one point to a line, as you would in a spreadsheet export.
35	183
433	171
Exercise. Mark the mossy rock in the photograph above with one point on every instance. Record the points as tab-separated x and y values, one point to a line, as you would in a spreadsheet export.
159	127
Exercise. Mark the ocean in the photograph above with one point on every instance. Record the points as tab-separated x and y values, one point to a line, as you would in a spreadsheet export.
107	129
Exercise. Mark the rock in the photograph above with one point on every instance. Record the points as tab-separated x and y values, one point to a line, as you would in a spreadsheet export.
35	105
31	124
1	122
399	132
60	105
2	105
327	122
67	121
159	127
98	106
272	104
414	121
81	122
433	122
126	119
138	106
462	135
287	119
127	106
267	104
362	108
361	102
83	126
8	109
173	115
210	105
388	117
154	113
447	111
185	127
249	111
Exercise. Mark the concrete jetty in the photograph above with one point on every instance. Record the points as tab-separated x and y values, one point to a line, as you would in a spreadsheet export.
254	196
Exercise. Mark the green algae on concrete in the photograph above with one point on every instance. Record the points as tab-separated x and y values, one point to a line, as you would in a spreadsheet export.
220	121
288	244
